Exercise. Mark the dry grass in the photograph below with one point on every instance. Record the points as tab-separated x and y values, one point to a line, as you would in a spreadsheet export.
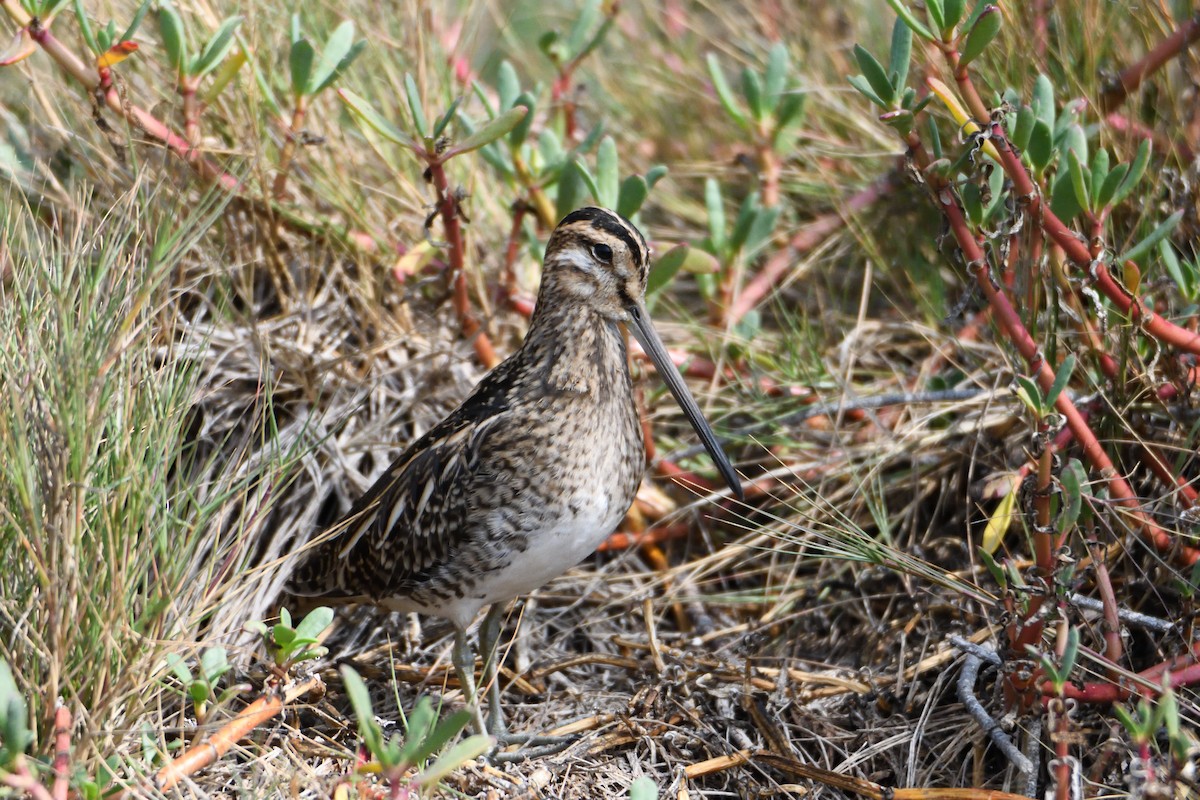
203	389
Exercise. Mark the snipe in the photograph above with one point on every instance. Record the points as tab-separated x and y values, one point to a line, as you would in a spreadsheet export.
530	474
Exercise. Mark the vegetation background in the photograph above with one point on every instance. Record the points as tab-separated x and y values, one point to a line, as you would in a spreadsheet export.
245	262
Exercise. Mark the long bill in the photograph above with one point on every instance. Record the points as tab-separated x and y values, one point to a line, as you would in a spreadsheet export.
647	337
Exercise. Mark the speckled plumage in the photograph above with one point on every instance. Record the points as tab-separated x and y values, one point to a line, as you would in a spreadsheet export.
534	470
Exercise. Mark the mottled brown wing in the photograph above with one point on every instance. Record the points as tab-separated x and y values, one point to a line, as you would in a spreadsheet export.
407	523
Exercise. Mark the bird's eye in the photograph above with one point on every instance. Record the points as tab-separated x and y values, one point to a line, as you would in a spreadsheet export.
602	252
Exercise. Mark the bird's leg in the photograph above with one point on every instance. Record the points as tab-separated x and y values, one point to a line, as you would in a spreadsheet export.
536	746
464	666
489	641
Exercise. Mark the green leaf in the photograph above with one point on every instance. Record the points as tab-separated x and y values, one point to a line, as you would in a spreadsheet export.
570	188
314	623
790	107
1064	200
935	14
643	788
136	23
1061	379
608	179
745	220
724	93
550	148
455	757
436	739
295	32
1109	188
170	30
900	55
901	120
584	23
360	701
85	27
488	133
752	91
1043	100
521	131
1041	146
374	120
198	692
217	48
415	107
323	77
905	13
1029	393
972	203
589	180
715	205
1022	130
632	195
665	268
300	60
1136	171
1073	479
762	228
1078	180
864	87
873	72
983	32
508	85
1143	248
952	11
990	563
655	174
213	664
776	75
440	126
1099	171
1073	137
1184	273
177	666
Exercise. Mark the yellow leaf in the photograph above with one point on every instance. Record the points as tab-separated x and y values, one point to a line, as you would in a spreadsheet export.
961	117
116	54
415	260
1001	519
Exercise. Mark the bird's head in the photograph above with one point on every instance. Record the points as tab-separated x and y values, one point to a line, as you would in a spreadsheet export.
598	259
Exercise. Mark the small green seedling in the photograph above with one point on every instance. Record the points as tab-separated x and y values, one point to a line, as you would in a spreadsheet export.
289	645
201	686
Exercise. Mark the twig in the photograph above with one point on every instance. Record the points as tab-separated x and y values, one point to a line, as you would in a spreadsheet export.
201	755
62	753
966	696
1132	76
1125	615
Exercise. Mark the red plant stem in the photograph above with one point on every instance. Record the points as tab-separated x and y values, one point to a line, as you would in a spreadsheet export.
191	115
1132	76
806	239
23	781
62	753
1077	251
138	117
1123	124
289	147
508	276
1108	597
769	169
1010	323
1062	749
1112	692
447	205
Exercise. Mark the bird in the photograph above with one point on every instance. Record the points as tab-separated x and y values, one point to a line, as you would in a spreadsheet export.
529	475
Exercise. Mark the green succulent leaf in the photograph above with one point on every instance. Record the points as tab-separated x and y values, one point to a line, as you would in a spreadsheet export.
776	75
952	11
415	107
469	748
440	126
714	203
900	55
724	93
1136	170
374	120
935	14
608	179
634	191
1108	189
864	87
85	27
520	132
1041	145
1043	100
876	77
314	623
1143	248
1073	480
643	788
337	55
571	189
217	48
588	14
1022	129
753	92
488	133
135	23
1184	273
982	33
174	40
1079	180
905	13
300	61
508	85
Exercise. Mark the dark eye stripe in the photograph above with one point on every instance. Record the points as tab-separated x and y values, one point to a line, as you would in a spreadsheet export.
614	224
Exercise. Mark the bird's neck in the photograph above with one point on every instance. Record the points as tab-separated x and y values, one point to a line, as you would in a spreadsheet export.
577	349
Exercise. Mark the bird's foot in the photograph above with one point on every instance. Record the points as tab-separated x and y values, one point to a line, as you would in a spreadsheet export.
530	745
